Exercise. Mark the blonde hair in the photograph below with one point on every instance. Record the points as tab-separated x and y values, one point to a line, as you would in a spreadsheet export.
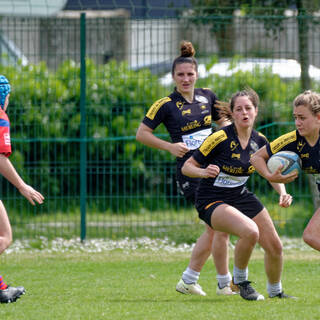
308	99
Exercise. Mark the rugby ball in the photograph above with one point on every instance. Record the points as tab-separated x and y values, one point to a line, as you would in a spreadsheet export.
288	159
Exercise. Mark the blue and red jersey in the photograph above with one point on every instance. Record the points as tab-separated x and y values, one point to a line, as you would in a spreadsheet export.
5	141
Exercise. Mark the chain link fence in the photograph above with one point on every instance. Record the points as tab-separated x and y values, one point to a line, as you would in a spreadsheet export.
84	78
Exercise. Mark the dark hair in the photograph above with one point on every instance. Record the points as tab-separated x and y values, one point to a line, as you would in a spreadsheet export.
187	56
225	109
309	99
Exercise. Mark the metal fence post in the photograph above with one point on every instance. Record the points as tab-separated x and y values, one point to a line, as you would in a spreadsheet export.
83	133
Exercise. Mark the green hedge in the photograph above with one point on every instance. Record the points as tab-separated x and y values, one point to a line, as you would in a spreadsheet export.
45	128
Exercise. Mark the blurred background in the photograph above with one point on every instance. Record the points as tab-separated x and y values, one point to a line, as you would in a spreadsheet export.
83	75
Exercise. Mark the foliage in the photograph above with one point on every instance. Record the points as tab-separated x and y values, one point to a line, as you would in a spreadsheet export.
45	116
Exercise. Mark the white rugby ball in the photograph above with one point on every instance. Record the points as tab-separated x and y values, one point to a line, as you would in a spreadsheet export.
288	159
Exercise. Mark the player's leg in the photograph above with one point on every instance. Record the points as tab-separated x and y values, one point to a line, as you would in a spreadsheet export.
271	243
200	253
312	231
5	229
220	253
273	260
228	219
7	293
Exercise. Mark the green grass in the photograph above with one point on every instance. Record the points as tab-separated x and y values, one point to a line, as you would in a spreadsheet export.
182	226
140	285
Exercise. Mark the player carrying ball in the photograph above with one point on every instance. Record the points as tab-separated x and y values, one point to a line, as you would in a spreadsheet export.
304	141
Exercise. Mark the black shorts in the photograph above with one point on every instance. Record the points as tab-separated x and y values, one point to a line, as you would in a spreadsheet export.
187	186
243	200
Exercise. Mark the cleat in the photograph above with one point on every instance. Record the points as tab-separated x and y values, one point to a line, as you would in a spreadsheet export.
225	291
11	294
282	295
247	292
234	287
193	288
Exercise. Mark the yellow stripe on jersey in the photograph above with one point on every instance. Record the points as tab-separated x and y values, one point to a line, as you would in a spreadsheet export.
212	141
262	135
282	141
156	106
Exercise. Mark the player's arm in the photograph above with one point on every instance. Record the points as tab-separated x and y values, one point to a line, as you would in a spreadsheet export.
285	199
259	161
9	172
145	135
192	169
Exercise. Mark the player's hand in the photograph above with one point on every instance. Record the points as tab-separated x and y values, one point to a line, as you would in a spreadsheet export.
285	200
31	194
178	149
277	177
211	171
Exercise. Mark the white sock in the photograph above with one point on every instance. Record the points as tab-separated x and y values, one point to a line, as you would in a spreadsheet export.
224	279
274	289
190	276
240	275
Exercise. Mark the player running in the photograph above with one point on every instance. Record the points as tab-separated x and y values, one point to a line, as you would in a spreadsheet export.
224	202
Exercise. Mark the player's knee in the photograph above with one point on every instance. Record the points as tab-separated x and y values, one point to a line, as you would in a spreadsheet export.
253	235
308	238
5	242
276	249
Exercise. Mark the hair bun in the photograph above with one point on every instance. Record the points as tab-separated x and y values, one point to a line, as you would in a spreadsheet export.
187	49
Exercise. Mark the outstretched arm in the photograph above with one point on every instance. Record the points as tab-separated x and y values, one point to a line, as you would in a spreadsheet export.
145	135
10	173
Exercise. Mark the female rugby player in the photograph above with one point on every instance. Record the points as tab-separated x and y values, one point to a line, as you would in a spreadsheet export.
187	114
225	204
9	293
306	143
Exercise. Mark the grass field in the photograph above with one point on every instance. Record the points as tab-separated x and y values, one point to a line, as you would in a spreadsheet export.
136	283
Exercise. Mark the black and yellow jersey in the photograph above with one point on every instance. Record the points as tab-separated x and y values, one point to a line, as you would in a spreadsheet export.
186	122
222	148
293	141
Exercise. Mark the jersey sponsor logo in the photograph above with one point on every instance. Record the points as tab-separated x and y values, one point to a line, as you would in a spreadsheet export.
201	99
184	112
300	145
254	147
203	107
282	141
310	169
251	169
191	125
228	181
179	104
233	145
7	141
212	141
156	106
235	155
233	170
304	155
207	120
194	140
